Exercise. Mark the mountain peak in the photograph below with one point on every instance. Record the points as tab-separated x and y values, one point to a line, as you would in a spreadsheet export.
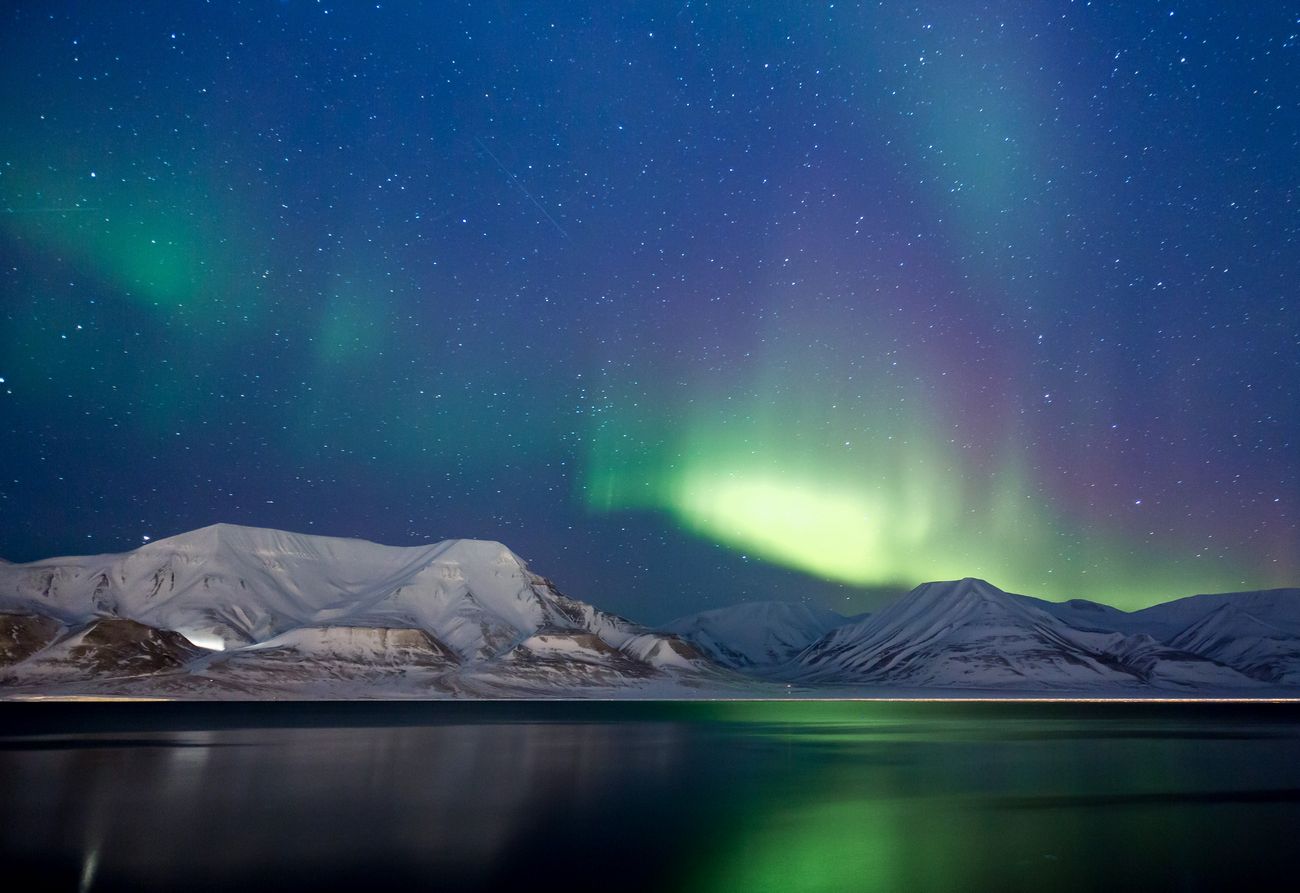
479	550
942	591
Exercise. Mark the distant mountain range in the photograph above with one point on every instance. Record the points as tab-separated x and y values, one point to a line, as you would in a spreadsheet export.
240	612
968	635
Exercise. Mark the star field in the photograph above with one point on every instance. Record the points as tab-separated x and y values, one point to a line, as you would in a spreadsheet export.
686	303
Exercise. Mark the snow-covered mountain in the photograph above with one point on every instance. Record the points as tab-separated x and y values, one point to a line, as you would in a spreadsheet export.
755	635
1232	635
968	634
312	614
1276	607
231	586
230	611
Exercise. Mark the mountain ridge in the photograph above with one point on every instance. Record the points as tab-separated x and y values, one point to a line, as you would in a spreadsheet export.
234	611
968	633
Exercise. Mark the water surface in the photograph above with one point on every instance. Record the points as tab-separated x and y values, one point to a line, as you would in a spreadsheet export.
780	796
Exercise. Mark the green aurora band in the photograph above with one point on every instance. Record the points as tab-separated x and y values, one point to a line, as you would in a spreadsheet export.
863	486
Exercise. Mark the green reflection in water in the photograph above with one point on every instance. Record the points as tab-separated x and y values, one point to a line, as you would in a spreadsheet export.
850	845
827	833
868	796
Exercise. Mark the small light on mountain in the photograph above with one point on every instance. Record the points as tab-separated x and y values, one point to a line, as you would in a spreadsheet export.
145	538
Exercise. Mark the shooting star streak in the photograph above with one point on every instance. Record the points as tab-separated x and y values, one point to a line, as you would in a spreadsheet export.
523	189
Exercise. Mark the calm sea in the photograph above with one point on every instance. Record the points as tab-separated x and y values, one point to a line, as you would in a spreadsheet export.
770	796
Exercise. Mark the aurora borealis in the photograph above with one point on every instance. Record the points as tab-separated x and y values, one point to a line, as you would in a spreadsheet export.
686	303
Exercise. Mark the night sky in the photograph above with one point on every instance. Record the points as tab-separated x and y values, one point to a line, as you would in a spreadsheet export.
686	303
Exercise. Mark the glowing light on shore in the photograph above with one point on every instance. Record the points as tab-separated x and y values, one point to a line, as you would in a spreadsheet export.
204	639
